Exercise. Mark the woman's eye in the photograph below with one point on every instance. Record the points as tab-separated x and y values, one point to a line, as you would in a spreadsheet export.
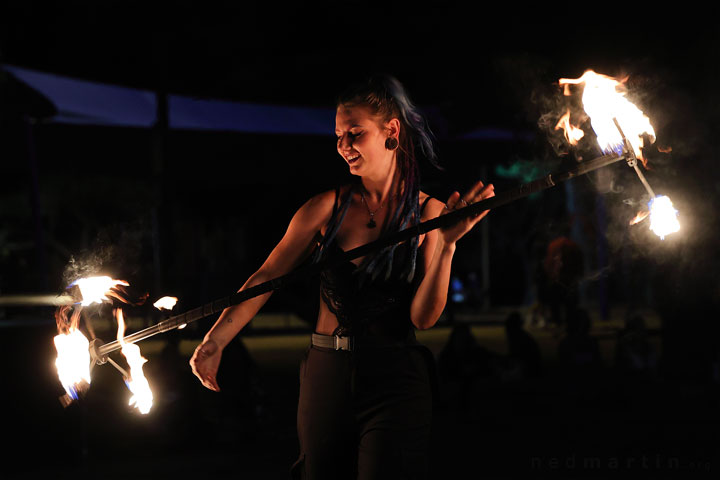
349	134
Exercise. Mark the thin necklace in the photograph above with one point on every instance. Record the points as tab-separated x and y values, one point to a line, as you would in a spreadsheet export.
371	223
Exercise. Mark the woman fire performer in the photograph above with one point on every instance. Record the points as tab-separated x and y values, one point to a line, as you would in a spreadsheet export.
365	399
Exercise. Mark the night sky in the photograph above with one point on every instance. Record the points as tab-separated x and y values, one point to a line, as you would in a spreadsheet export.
192	213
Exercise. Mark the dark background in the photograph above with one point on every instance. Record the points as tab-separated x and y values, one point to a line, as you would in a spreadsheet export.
192	214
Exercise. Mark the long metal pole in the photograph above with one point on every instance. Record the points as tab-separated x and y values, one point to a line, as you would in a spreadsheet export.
503	198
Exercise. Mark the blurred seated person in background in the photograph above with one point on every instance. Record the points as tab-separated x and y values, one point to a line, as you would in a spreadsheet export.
635	356
578	352
461	363
523	351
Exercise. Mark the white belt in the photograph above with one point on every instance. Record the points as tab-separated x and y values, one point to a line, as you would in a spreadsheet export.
336	342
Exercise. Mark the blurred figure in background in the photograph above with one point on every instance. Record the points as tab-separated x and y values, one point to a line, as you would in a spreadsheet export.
635	356
558	281
523	351
460	363
580	359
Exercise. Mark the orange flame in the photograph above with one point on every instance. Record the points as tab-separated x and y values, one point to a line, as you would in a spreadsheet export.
663	217
639	217
165	303
73	361
95	289
142	397
572	133
604	99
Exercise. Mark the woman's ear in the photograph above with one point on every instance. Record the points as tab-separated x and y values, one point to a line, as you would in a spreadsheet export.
393	128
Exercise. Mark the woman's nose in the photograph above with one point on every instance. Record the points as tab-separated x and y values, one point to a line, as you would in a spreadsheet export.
344	143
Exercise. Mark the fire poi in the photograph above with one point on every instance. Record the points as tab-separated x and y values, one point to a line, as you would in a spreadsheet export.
620	127
618	124
74	366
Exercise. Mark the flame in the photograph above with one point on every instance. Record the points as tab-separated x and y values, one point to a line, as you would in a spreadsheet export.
73	361
137	383
663	216
604	99
572	134
95	289
639	217
166	303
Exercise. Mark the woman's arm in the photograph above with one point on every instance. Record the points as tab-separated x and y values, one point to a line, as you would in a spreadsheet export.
437	252
431	295
297	243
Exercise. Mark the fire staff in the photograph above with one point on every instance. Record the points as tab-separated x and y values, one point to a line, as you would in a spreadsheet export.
366	383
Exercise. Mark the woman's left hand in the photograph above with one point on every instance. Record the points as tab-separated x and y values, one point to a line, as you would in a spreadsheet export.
477	192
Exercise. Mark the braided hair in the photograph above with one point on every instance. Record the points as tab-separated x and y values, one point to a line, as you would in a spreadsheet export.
386	98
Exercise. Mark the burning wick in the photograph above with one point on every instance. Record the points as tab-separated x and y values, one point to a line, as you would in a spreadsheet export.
94	289
572	134
168	303
663	216
604	101
142	397
165	303
73	361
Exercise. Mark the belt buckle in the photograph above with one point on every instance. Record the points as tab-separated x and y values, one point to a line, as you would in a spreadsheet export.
342	343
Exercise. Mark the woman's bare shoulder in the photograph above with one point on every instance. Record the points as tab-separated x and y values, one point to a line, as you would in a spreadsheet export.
320	206
432	208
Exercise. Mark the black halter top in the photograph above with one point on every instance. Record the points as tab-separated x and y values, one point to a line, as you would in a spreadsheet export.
368	307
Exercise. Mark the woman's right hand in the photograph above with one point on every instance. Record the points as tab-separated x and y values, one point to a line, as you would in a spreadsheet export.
477	193
205	362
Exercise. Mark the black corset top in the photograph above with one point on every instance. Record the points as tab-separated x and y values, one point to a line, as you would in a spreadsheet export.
366	306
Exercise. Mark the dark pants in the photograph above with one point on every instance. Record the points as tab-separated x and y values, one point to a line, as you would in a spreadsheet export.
364	414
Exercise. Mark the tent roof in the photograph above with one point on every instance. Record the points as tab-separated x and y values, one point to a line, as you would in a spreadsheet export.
82	102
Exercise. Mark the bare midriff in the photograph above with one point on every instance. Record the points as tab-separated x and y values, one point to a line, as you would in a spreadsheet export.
327	321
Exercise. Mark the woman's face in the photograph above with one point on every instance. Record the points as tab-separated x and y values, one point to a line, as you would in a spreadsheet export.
361	141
